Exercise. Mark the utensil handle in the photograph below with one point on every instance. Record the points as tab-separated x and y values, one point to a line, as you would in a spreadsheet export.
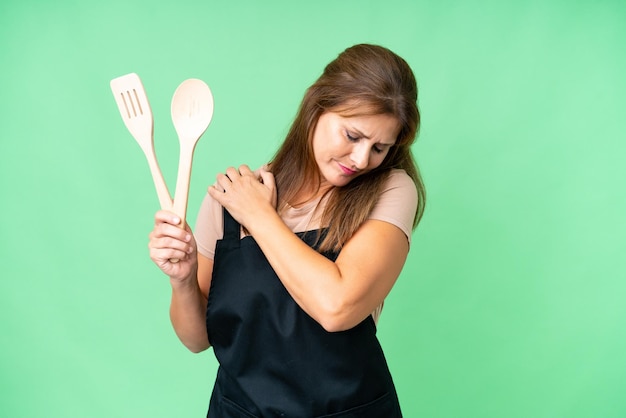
165	199
182	184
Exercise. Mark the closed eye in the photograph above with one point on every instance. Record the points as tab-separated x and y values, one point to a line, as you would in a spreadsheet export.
352	137
355	137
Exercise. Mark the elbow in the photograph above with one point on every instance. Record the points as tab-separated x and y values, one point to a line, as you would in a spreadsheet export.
334	325
337	317
197	348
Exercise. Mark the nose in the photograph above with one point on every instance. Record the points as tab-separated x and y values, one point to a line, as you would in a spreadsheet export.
360	156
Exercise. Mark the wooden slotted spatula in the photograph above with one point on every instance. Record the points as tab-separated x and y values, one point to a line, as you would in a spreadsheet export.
135	110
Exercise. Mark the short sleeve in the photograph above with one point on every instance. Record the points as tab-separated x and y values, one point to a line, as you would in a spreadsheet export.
397	203
209	226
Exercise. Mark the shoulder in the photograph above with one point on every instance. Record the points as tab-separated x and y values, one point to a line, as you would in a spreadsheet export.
209	226
397	203
400	189
399	179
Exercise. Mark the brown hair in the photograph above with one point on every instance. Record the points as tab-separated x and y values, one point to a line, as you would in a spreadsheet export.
363	80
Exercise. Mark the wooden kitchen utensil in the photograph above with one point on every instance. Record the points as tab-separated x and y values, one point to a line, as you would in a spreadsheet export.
192	111
135	110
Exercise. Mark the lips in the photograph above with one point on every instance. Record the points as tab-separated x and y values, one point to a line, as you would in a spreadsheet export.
346	170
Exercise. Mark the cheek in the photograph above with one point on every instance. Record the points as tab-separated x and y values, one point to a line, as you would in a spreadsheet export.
337	148
377	159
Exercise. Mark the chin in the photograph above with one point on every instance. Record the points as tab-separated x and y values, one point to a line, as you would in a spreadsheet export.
342	181
337	179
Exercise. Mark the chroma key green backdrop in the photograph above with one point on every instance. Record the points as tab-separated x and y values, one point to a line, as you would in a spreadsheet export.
512	302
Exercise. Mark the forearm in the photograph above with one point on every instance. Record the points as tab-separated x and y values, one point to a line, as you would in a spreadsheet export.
338	294
314	281
187	313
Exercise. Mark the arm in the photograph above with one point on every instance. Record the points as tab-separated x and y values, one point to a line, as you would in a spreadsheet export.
190	278
188	307
337	294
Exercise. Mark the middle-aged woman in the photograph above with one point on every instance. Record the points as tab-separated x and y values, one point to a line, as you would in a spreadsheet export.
290	264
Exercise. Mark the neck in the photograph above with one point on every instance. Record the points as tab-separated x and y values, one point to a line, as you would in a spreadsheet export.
309	193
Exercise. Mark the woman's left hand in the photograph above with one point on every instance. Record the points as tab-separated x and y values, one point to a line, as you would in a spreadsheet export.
246	194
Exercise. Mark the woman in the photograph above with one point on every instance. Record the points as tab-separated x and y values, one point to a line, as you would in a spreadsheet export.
290	264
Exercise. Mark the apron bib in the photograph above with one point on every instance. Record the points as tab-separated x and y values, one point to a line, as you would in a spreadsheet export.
277	361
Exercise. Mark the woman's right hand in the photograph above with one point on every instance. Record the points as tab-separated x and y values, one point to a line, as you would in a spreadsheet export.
167	242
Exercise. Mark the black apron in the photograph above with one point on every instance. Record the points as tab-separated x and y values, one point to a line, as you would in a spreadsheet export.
275	360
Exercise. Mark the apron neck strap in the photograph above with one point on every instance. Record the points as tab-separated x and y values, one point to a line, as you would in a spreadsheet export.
231	227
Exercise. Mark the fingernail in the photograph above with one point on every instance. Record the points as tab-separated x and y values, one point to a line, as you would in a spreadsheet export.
190	250
176	220
187	237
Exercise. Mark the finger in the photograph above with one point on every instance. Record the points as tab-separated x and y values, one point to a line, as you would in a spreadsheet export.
244	170
167	243
165	230
267	179
167	247
215	185
232	173
223	181
215	191
164	255
218	194
165	216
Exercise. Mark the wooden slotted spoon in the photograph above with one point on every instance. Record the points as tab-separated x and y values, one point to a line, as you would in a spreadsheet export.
192	111
135	110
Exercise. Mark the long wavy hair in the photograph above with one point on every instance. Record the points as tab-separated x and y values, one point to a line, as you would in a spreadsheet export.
363	80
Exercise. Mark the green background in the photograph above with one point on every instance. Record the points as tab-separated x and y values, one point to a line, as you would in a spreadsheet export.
512	302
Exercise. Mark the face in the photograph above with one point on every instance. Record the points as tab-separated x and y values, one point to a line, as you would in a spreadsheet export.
347	147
